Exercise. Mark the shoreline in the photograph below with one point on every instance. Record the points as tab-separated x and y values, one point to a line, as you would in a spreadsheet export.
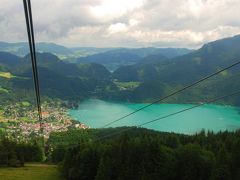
215	116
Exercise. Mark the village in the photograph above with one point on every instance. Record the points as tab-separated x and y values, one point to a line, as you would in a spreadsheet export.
21	120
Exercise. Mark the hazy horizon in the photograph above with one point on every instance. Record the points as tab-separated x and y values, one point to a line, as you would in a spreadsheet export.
110	47
116	47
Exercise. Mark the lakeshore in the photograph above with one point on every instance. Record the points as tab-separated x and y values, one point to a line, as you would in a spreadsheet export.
97	113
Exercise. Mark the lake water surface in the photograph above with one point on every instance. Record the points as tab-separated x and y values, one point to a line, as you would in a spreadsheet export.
97	113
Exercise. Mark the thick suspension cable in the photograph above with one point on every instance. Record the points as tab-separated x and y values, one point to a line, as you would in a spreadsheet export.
31	41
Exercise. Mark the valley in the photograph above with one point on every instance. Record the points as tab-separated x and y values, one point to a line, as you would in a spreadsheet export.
153	74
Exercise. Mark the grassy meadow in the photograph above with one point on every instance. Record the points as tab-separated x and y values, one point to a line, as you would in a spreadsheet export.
30	172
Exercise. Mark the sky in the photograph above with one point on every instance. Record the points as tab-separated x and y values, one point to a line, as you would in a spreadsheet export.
122	23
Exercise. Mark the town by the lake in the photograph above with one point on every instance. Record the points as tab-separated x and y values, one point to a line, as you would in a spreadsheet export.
21	120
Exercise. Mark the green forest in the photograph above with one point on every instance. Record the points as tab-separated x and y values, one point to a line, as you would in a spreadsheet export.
15	154
146	154
136	154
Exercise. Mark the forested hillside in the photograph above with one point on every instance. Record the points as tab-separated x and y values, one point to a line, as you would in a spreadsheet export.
57	78
163	77
146	154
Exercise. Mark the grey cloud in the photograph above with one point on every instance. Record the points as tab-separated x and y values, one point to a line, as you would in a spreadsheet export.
176	23
182	14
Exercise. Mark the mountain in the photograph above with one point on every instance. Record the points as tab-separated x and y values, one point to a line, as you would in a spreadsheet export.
210	57
53	48
68	54
166	76
87	51
167	52
115	58
111	59
21	49
9	60
56	78
153	59
52	62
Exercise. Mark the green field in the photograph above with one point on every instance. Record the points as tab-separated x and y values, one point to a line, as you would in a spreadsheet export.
7	75
2	118
30	172
3	90
127	85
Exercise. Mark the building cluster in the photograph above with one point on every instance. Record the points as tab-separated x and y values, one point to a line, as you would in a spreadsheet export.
28	129
23	121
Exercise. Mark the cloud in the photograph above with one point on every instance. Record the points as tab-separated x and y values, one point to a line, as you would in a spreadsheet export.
118	27
130	23
110	9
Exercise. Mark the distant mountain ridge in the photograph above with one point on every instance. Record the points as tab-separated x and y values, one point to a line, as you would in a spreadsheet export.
115	58
112	58
22	49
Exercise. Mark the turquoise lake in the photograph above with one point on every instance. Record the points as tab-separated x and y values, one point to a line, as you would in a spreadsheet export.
97	113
